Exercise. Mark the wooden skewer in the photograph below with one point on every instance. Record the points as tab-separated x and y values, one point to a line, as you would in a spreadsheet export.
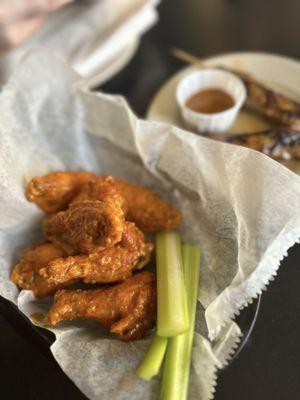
187	57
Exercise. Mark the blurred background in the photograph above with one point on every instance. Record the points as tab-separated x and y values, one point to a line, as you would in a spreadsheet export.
210	27
100	37
123	46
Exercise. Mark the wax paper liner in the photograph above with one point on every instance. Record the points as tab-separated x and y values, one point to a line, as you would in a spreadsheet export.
240	206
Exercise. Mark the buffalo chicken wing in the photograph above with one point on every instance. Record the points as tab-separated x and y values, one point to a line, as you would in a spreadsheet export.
127	309
110	265
86	227
26	273
142	206
54	191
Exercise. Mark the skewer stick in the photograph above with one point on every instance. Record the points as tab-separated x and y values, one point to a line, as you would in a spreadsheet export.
187	57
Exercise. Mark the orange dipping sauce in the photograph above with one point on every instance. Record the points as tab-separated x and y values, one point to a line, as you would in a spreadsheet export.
210	101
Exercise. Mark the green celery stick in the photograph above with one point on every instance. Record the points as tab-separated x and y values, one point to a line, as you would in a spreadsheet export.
172	314
177	362
153	359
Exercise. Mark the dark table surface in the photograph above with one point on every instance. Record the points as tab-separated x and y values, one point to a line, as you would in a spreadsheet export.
268	367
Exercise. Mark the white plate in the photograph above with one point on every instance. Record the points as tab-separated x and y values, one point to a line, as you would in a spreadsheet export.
278	72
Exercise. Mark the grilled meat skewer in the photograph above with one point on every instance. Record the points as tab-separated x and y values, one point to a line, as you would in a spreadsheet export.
281	143
269	103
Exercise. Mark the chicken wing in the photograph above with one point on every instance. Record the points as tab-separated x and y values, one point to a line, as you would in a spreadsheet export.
142	206
26	273
86	227
101	189
110	265
54	191
127	309
146	209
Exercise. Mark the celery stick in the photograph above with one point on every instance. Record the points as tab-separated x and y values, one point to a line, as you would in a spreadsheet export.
172	315
176	368
152	361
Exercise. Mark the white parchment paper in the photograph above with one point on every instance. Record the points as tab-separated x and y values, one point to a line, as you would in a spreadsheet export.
239	205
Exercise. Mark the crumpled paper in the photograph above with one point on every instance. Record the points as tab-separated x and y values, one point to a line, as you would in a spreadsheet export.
240	206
